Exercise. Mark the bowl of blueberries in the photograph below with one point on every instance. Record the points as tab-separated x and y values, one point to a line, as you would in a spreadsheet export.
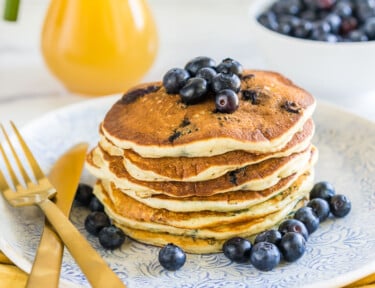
324	46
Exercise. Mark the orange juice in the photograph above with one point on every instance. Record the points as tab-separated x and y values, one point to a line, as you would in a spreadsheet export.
99	47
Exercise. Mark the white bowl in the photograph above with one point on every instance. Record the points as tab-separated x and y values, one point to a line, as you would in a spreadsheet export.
327	70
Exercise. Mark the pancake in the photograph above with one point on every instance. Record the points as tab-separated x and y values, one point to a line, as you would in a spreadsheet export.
201	168
225	231
189	244
130	208
155	124
257	177
223	202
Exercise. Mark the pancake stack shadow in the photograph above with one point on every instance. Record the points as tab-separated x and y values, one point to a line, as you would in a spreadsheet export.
186	174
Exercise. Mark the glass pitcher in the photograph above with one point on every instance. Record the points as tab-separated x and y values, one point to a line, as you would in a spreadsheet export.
99	47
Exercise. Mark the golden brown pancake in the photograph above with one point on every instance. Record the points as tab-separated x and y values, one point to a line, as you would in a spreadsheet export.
156	124
130	208
259	176
202	168
218	234
189	244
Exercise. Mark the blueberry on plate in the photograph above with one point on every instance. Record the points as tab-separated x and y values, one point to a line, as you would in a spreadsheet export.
294	225
340	205
226	101
96	205
237	249
230	66
320	208
96	221
193	90
307	216
171	257
84	194
265	256
323	190
226	81
175	79
197	63
292	246
272	236
111	237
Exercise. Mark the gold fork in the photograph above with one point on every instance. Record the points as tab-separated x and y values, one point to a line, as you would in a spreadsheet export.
39	193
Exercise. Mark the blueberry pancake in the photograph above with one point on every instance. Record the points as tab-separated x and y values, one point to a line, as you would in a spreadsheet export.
256	177
222	202
155	124
194	169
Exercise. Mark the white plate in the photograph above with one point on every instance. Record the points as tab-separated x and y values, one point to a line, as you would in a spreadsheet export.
340	251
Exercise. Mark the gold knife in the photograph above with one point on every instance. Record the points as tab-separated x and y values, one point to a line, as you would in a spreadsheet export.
65	175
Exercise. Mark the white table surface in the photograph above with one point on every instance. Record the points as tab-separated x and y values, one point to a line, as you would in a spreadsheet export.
216	28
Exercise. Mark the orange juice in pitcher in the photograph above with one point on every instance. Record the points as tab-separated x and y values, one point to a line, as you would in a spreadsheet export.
99	47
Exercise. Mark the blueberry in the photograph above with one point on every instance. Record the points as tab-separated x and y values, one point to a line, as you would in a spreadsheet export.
193	90
287	23
340	205
323	190
268	19
293	21
292	7
226	101
320	30
207	74
307	216
303	29
272	236
172	257
326	37
95	221
111	237
96	205
265	256
320	208
309	15
343	9
357	36
348	24
197	63
292	246
226	81
334	21
237	249
230	66
285	28
293	225
325	4
310	5
175	79
365	9
322	26
84	194
369	28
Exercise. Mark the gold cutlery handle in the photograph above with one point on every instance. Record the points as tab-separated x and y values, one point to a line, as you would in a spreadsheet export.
47	264
92	265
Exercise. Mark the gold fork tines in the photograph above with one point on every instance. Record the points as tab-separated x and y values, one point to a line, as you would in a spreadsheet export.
39	192
32	192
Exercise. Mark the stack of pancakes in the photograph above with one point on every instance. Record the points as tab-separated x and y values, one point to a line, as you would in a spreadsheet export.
186	174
